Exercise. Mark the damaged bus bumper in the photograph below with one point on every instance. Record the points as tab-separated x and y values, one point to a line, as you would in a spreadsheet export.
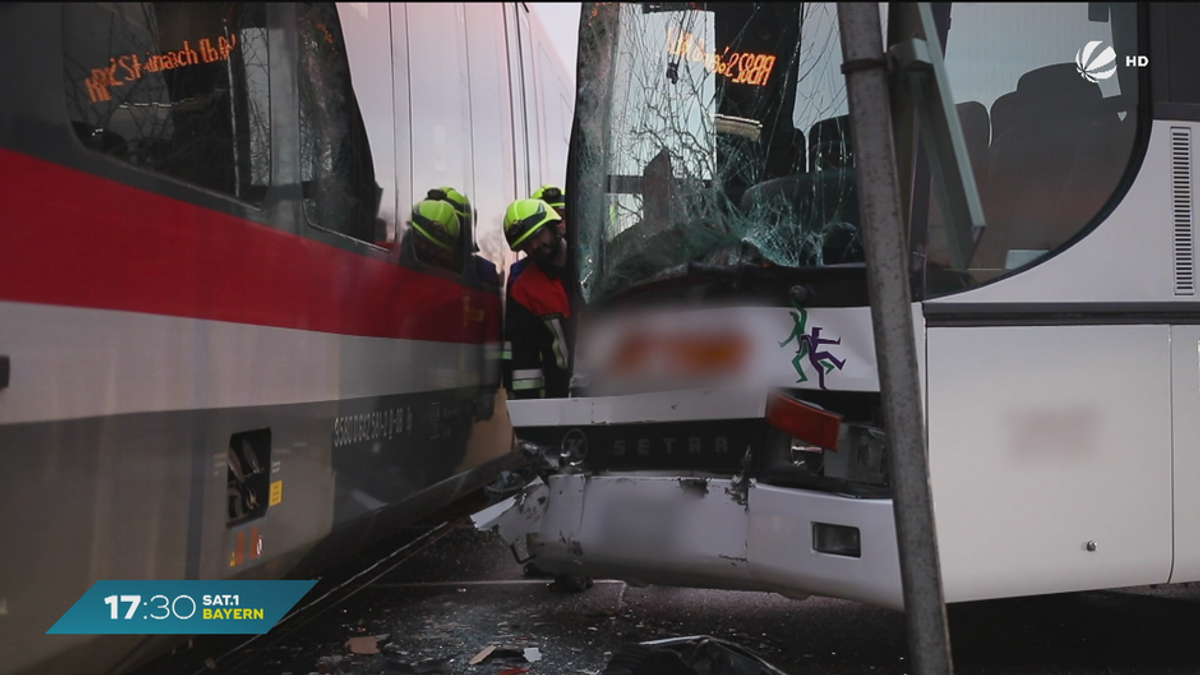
687	528
704	533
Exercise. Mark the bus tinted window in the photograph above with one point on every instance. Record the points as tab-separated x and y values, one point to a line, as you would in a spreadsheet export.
1048	143
340	191
176	88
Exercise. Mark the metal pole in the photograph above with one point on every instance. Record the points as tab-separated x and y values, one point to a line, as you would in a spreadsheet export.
885	246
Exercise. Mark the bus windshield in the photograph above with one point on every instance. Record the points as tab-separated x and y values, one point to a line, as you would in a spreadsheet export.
719	133
727	141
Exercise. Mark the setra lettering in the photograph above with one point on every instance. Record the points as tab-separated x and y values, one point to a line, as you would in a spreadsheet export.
666	446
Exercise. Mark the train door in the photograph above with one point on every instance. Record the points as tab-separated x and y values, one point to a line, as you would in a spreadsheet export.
495	170
402	123
533	97
513	31
440	99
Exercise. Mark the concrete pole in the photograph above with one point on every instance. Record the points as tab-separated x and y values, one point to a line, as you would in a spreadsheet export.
886	248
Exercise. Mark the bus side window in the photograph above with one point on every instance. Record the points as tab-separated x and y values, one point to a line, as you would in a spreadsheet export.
337	171
180	89
1059	143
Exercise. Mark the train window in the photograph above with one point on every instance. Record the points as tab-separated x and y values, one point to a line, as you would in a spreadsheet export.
495	173
533	113
1048	144
556	117
177	88
441	104
338	174
511	11
370	51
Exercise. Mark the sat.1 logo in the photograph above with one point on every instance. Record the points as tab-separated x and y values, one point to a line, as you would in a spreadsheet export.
1096	64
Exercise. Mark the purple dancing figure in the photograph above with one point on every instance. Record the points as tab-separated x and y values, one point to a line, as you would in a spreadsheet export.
823	362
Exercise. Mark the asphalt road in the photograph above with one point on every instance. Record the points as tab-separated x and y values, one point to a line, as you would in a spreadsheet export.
442	607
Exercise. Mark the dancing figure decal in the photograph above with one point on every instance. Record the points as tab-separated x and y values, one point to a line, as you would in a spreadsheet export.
811	346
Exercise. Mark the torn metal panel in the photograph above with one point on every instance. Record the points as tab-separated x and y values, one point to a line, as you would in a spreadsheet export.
698	654
517	515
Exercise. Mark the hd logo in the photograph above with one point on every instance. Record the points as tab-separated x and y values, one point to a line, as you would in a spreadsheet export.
1094	67
1096	64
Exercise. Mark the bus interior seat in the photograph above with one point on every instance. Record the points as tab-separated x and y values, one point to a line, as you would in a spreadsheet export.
1052	169
829	145
820	199
977	128
1004	111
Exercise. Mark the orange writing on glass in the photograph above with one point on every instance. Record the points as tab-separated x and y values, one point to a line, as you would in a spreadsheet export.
130	68
740	67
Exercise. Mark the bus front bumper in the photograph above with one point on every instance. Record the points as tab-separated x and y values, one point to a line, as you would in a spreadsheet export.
705	533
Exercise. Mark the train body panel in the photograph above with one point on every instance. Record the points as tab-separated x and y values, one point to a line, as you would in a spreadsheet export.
227	360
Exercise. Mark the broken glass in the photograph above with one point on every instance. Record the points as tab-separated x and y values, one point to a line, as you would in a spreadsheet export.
718	134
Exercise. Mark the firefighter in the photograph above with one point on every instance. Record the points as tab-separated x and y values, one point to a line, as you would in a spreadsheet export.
557	199
435	235
456	199
537	322
485	269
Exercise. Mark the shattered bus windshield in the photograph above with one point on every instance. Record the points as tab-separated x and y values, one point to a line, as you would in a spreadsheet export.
725	140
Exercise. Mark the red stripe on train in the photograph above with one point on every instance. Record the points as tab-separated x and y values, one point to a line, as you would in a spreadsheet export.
76	239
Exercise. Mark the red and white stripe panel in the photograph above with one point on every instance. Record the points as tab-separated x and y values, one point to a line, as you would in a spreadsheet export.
115	300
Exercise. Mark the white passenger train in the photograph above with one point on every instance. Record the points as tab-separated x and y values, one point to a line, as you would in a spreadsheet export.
218	359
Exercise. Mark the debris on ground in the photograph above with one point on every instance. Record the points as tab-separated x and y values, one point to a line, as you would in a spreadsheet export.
422	668
363	645
688	656
483	654
329	664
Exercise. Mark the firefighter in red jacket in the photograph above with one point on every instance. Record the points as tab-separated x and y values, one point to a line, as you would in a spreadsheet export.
553	196
537	322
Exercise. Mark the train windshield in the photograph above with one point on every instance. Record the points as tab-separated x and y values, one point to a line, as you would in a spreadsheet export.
719	133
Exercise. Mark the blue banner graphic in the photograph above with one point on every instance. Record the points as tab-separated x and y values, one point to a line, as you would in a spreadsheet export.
181	607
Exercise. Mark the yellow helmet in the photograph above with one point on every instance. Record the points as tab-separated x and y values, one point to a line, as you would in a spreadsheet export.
436	221
524	218
552	195
462	205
